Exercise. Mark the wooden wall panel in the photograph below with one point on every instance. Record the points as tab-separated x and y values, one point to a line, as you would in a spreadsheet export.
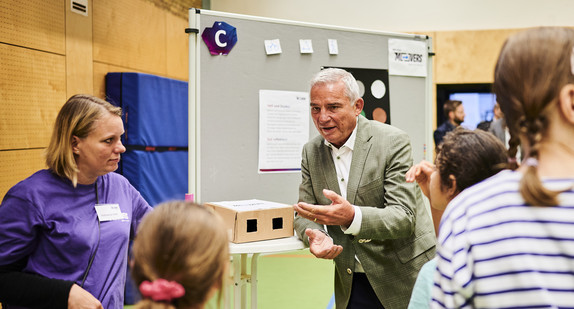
33	90
177	48
37	24
79	58
467	56
177	7
130	33
17	165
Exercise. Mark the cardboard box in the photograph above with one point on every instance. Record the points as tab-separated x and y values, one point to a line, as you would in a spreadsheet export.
253	220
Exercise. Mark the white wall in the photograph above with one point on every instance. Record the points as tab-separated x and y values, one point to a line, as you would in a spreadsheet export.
413	15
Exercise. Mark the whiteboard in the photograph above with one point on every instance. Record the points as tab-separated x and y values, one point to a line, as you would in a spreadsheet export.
224	98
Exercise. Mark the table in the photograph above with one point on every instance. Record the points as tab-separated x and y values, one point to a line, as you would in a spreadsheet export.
241	278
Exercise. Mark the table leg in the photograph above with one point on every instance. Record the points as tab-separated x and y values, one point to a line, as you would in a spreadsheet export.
254	280
236	281
244	276
228	286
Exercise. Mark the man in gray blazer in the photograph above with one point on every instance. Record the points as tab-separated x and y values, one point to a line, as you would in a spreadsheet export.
353	182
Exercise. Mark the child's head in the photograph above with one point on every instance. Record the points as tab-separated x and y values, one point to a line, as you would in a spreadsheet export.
533	69
464	158
186	245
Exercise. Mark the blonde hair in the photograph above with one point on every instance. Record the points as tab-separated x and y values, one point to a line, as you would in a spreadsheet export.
532	68
182	242
76	118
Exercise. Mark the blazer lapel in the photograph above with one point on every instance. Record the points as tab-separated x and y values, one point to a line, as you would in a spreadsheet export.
325	163
360	153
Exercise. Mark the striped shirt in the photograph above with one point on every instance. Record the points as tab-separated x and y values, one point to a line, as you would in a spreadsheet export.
496	252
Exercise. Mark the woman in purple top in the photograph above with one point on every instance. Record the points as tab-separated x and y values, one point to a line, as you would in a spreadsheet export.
64	231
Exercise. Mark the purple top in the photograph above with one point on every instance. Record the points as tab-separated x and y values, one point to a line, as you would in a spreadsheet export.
55	225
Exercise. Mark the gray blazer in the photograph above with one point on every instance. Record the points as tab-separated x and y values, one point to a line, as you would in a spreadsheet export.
396	236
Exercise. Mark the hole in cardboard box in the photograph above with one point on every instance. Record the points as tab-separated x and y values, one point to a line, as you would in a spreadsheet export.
251	225
277	223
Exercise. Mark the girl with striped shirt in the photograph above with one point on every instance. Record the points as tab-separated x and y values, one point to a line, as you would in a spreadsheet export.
508	242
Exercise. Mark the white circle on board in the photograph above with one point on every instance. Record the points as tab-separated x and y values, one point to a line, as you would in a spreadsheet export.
361	88
378	89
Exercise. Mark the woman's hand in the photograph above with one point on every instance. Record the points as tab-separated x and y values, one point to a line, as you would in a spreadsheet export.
81	299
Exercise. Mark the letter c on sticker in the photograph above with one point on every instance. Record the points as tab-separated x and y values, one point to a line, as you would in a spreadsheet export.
217	41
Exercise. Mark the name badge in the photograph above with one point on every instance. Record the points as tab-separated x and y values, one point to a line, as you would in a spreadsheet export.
110	212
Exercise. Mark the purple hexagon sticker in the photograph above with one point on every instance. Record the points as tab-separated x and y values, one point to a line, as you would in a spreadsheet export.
220	38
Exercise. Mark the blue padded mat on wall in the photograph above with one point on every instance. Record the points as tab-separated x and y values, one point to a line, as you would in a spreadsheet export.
159	175
155	123
154	108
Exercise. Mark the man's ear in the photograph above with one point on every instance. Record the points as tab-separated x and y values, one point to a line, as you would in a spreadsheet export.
359	104
451	191
566	102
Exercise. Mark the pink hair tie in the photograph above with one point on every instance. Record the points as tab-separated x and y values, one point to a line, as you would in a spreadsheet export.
531	162
161	290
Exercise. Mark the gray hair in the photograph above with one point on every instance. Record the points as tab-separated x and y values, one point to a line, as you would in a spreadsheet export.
334	75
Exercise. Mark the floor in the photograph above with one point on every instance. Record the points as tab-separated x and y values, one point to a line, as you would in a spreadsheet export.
291	280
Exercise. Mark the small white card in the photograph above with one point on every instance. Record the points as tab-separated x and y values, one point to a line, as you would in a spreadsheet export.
272	47
306	46
333	47
110	212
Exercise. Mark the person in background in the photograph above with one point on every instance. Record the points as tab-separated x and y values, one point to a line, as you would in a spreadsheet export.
377	229
465	158
64	231
180	256
454	114
500	130
507	241
496	115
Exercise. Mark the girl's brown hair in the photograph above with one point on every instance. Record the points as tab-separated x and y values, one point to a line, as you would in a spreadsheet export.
76	118
532	68
182	242
470	156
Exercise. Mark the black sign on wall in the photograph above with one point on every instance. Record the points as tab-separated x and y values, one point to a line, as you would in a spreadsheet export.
374	89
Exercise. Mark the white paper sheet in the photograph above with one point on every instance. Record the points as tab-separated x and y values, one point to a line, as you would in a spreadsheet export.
407	57
306	46
283	130
333	47
273	47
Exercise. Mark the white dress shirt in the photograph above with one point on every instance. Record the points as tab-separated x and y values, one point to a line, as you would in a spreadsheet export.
342	157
